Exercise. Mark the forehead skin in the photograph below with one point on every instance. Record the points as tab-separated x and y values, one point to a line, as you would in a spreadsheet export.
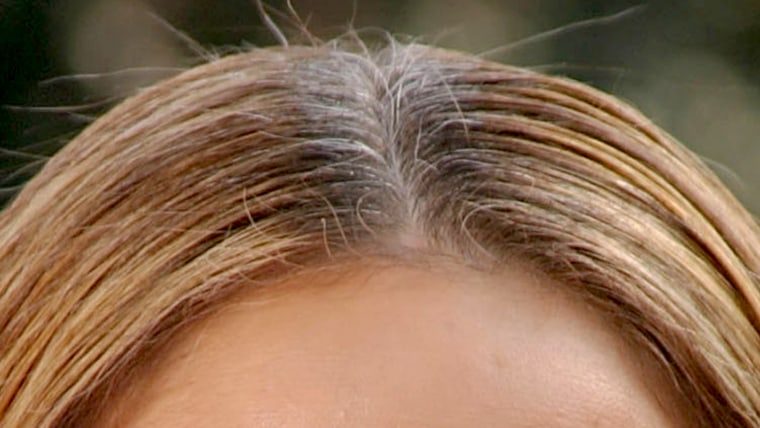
400	346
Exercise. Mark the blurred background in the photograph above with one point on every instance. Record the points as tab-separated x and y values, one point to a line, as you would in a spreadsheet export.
693	66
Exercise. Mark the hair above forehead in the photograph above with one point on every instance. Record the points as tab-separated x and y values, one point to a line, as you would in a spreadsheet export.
240	171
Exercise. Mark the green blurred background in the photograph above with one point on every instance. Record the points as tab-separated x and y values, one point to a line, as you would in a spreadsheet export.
692	66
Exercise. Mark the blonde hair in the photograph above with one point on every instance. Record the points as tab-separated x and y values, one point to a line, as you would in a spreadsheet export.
241	170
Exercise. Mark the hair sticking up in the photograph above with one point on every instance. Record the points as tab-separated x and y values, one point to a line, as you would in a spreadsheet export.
564	29
271	25
188	41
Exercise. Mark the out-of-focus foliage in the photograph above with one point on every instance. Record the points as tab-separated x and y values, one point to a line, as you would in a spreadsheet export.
691	65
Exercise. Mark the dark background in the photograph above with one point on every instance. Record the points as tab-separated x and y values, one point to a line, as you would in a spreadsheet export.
691	65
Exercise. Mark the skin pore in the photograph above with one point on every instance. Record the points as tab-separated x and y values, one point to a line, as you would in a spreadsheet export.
379	345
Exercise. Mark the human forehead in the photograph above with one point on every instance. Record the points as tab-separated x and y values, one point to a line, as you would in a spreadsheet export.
401	346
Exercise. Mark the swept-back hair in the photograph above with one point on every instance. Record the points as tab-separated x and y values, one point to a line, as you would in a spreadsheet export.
240	171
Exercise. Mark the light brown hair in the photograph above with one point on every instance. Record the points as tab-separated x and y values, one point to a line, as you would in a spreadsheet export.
244	169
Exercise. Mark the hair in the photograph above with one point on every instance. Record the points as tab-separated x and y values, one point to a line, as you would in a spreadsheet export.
240	171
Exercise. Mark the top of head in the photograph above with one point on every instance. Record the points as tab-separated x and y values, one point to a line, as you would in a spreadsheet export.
256	165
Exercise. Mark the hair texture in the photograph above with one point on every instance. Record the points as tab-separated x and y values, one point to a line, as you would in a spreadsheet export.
259	164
